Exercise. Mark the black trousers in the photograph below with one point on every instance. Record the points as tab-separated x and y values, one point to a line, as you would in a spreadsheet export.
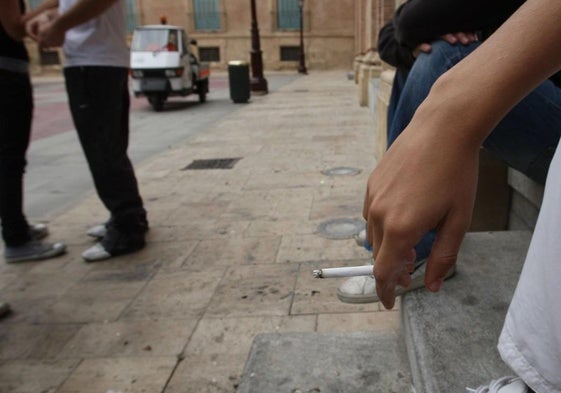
16	110
99	103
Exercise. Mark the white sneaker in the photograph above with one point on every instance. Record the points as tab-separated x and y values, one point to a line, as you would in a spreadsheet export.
363	289
38	231
96	253
97	231
503	385
360	238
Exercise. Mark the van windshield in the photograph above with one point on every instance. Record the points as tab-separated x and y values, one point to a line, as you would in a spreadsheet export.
153	40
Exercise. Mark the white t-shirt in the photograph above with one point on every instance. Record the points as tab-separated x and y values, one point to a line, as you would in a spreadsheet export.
101	41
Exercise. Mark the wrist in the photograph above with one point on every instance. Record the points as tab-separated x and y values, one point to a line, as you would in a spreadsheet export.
462	116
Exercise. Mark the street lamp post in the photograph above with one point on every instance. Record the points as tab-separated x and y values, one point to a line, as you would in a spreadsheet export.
302	65
258	83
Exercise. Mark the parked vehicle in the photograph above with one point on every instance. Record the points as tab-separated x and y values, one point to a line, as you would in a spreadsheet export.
163	65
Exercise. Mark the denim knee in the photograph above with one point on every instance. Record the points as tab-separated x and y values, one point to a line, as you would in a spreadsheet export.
443	56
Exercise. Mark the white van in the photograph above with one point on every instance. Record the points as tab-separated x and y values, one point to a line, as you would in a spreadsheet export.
163	65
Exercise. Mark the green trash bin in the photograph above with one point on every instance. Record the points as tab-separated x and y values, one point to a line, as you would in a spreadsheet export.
238	76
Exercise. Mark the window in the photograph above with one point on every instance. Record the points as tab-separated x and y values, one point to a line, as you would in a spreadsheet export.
290	53
209	53
288	15
131	15
207	14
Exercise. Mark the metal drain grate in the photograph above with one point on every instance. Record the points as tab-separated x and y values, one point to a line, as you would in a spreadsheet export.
214	163
341	171
340	228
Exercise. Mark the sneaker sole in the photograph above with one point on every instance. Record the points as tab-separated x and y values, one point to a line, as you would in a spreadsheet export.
416	283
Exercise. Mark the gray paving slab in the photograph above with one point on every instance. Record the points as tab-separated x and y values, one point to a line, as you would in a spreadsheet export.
357	362
229	253
452	335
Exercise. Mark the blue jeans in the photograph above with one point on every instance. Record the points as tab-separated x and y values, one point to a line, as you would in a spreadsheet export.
525	139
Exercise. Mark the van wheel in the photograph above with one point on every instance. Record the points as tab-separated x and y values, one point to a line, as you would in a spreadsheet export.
157	102
202	88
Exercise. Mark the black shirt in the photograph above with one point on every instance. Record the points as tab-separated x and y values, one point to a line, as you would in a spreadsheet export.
9	47
420	21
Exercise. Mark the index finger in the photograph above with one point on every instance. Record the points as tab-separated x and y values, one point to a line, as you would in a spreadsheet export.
392	266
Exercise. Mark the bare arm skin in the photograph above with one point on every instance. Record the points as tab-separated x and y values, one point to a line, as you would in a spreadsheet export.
428	177
84	10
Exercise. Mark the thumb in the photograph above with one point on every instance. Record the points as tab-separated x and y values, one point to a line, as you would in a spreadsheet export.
444	252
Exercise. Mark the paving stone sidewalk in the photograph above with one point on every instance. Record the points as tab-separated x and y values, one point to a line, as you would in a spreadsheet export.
230	254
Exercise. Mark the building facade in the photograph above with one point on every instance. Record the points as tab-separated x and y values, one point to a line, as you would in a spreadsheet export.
335	31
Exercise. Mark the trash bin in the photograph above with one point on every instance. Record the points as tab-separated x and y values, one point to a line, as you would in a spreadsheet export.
238	75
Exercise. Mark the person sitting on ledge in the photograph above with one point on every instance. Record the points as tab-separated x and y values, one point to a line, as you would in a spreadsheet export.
423	41
428	179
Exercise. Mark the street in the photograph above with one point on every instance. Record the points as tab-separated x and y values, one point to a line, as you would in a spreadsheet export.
57	174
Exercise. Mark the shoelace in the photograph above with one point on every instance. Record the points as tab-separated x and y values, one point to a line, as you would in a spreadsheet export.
494	386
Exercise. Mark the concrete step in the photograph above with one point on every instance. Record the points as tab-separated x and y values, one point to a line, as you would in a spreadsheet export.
451	336
326	363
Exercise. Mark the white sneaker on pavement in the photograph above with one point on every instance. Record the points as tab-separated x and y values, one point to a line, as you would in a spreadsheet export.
97	231
96	253
38	231
503	385
363	289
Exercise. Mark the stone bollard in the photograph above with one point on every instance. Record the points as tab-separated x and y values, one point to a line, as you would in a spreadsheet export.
371	66
382	103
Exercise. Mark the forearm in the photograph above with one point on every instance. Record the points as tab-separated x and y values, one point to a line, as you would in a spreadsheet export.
473	96
81	12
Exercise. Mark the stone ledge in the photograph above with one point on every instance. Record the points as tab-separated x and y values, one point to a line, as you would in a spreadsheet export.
451	336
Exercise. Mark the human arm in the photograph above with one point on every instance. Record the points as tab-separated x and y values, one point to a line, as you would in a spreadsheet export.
427	179
79	13
11	20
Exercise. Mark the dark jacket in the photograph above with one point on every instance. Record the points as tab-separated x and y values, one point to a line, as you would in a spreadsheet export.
422	21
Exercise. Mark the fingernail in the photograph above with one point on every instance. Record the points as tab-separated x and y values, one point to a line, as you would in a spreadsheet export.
435	285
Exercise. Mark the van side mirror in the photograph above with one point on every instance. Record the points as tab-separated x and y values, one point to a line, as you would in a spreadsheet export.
193	41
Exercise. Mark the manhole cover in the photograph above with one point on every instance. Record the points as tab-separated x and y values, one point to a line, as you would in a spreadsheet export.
214	163
340	228
341	171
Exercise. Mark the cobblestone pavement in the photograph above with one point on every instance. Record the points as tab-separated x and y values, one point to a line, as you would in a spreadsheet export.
230	254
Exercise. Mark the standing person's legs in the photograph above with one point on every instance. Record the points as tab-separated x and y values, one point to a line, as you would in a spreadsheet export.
16	109
530	342
99	102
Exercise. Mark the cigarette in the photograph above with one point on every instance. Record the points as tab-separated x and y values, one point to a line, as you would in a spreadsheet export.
351	271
